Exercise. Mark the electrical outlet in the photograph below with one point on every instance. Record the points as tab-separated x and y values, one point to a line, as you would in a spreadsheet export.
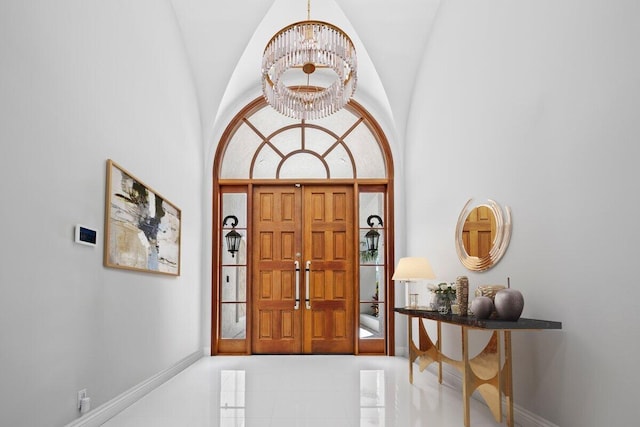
81	395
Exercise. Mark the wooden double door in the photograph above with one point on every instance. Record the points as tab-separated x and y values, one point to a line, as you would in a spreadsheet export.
303	261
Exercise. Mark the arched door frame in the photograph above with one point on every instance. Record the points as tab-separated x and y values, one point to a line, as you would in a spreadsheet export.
245	185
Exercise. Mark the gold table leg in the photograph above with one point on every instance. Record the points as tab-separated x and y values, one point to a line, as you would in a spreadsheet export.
482	372
425	352
507	386
439	348
467	386
412	352
485	374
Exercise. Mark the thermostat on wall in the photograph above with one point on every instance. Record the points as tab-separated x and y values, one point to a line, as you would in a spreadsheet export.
86	236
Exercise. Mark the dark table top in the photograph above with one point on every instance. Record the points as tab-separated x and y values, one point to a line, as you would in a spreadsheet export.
473	322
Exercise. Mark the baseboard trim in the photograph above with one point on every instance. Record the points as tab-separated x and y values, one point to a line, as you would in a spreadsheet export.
104	412
522	417
402	352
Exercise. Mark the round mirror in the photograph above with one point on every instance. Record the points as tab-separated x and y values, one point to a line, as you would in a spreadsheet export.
482	235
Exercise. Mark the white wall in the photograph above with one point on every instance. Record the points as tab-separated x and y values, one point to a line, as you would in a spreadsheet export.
535	104
540	95
83	81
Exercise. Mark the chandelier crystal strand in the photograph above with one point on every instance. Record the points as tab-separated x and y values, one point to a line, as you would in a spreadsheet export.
304	47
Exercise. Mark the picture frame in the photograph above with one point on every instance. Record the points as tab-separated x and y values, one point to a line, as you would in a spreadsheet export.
142	228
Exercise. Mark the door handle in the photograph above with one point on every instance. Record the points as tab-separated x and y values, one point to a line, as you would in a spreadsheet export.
306	285
297	306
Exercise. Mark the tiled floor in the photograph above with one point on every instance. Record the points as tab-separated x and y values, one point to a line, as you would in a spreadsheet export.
309	391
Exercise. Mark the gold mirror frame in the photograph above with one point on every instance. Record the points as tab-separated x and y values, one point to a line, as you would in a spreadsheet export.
500	241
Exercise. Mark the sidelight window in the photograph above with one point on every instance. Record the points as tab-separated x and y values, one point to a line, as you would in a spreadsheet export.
233	286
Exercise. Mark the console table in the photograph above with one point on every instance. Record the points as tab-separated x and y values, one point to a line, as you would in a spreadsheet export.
489	372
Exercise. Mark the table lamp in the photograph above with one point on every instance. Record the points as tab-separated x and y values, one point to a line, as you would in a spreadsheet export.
412	269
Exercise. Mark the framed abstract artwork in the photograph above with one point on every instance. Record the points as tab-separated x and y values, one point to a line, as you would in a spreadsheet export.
142	228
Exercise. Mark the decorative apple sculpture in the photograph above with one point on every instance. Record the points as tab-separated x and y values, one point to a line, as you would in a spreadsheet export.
509	303
482	307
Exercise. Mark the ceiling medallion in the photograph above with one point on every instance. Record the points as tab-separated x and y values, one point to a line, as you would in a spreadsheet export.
309	69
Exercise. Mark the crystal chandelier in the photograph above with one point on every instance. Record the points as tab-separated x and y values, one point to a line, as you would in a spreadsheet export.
309	69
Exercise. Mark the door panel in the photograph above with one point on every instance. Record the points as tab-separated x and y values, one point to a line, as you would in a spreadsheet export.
478	232
317	223
328	220
277	326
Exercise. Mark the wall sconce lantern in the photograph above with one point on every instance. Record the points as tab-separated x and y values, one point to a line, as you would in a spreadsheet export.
233	237
372	237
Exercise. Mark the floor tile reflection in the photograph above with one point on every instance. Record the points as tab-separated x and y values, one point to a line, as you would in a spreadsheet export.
301	391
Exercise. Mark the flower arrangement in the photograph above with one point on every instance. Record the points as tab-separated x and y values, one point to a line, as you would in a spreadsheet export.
443	295
444	290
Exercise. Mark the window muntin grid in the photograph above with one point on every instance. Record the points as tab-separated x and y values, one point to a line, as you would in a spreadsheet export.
267	145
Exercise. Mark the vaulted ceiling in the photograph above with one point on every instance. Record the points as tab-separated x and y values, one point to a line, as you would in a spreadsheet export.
224	42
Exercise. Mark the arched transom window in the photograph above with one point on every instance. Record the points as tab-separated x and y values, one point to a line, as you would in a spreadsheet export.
267	145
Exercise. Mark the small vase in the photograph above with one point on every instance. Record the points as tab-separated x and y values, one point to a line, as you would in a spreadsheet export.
444	304
433	301
482	307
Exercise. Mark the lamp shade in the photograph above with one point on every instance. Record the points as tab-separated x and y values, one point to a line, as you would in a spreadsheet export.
413	268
